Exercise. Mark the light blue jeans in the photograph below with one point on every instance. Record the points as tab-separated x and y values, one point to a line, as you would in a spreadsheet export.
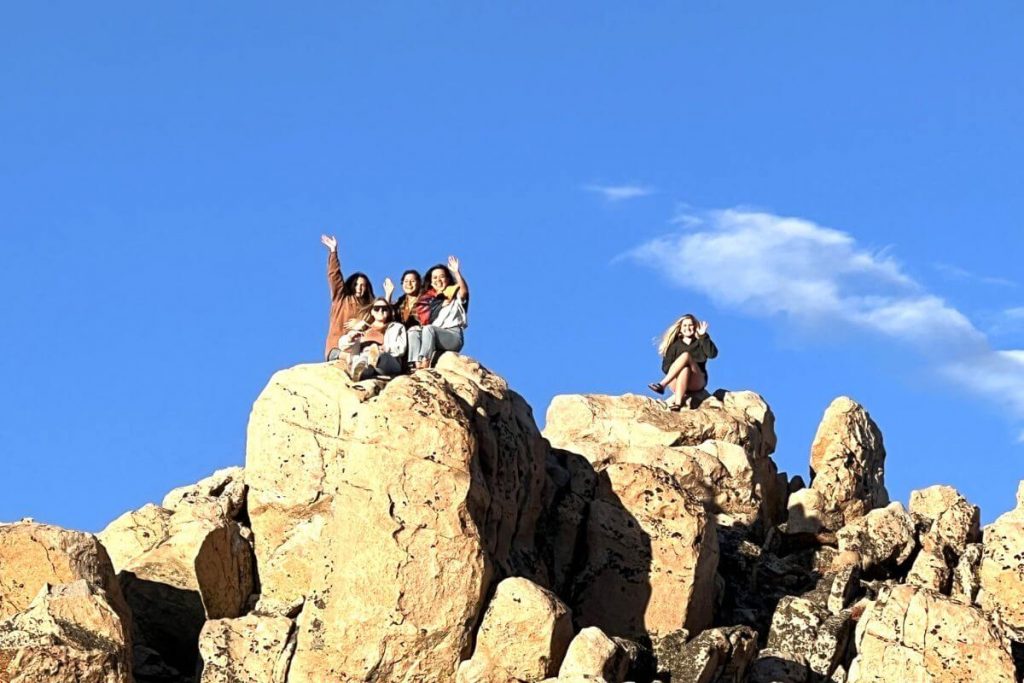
426	341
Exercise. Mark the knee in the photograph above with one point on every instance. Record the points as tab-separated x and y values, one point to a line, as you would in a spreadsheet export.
429	332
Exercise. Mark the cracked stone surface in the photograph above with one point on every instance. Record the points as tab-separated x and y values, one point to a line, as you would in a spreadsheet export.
389	511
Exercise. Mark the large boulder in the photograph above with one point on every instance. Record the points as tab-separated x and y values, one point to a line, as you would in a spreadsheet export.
250	649
883	538
33	555
183	563
651	553
912	635
720	452
70	633
950	522
847	469
384	513
524	635
1001	574
592	653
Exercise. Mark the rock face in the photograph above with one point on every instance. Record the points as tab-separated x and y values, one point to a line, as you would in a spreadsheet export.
387	512
716	655
1001	574
69	633
33	555
592	653
882	538
182	564
911	634
645	565
423	530
251	649
524	635
847	469
719	453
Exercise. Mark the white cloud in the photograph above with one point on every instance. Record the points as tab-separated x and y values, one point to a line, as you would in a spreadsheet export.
1016	313
768	265
618	193
957	273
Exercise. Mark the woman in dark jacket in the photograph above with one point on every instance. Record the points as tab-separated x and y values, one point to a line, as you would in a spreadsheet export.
685	349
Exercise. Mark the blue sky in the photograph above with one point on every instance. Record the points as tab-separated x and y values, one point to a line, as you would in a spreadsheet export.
836	189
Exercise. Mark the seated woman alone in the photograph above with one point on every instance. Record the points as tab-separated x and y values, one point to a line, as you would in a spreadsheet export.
685	349
375	337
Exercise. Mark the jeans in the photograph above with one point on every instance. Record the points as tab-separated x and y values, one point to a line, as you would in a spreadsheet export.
424	342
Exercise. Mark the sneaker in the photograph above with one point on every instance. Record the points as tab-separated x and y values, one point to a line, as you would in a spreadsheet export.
357	369
372	354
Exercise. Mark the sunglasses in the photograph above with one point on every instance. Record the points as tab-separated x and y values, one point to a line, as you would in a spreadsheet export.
379	308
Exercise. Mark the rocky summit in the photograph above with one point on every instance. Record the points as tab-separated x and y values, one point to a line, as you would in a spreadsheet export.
425	530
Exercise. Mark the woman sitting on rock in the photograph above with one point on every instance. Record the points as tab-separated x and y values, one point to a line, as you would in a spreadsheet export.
374	348
685	349
405	307
350	299
442	312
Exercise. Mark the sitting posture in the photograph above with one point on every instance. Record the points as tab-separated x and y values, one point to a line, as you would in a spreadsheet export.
405	307
685	349
442	311
374	348
350	298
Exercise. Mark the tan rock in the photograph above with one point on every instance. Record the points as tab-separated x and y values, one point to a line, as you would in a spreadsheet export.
847	465
717	655
202	570
223	490
32	555
804	512
966	581
134	533
719	452
69	633
523	637
951	521
250	649
387	511
912	635
930	570
651	557
1001	574
592	653
883	537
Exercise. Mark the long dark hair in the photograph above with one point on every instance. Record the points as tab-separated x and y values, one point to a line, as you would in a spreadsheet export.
447	272
419	281
350	288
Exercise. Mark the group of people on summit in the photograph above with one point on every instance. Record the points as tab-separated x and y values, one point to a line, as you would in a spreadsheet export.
374	336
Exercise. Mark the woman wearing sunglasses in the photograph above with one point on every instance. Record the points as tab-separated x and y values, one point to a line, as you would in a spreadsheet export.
374	348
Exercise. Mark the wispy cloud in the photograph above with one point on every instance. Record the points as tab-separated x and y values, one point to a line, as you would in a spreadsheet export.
956	273
618	193
769	265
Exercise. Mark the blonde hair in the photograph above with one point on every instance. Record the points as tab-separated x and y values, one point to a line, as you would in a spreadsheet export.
672	333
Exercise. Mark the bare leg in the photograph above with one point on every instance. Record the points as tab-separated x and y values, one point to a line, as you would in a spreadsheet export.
677	366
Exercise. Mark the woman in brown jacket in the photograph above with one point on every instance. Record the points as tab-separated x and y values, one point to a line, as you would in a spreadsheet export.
350	298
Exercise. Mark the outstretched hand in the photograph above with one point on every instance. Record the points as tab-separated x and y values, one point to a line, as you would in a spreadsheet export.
453	264
354	325
389	288
702	328
329	241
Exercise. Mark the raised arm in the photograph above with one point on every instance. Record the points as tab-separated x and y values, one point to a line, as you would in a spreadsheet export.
389	289
704	339
334	278
453	265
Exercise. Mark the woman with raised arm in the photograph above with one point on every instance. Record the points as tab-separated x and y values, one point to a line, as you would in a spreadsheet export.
685	349
350	299
405	307
443	311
